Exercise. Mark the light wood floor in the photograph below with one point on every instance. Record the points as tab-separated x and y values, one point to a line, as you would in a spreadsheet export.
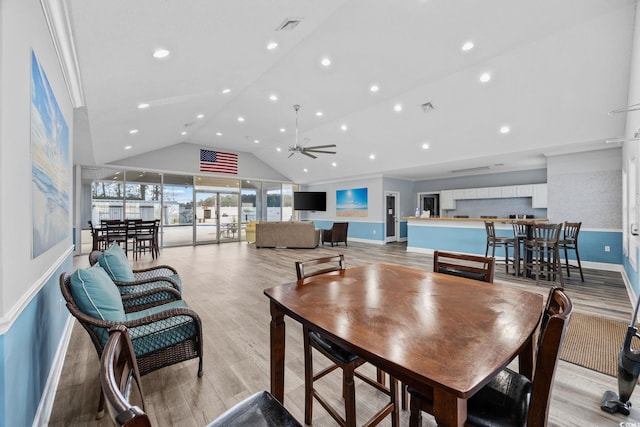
224	284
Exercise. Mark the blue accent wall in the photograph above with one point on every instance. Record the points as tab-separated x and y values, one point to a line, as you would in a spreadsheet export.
357	230
28	351
473	241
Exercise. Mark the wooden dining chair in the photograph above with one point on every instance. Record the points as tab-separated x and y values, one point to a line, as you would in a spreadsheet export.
340	358
569	242
470	266
510	398
494	241
542	252
120	377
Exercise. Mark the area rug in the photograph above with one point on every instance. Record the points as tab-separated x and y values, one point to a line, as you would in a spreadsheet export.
594	343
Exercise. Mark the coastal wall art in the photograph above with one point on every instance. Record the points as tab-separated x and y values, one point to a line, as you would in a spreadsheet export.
352	203
50	165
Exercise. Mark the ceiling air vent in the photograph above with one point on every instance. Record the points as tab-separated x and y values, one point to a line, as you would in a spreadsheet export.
479	168
289	24
427	106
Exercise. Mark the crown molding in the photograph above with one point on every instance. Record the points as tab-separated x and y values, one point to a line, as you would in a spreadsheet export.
56	14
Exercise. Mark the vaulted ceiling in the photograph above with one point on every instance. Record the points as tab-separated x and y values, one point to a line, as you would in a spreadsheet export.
556	68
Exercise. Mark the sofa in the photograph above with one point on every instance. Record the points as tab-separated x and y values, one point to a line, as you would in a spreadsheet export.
287	235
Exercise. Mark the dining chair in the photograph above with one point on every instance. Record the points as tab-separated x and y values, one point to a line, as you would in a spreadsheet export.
340	358
121	386
337	233
143	238
510	398
470	266
98	236
542	252
520	234
494	241
569	242
117	231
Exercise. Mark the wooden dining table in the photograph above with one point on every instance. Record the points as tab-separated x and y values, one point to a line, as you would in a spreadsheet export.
443	335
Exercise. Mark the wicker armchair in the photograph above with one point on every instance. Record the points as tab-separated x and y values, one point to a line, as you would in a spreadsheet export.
161	335
138	281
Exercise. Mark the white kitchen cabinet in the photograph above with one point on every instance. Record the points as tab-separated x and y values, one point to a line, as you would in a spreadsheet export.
509	191
539	198
524	190
459	194
495	192
471	193
482	193
447	201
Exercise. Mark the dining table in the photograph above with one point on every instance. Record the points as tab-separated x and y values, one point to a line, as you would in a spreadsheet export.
443	335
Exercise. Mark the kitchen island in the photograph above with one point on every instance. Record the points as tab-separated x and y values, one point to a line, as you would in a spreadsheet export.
465	235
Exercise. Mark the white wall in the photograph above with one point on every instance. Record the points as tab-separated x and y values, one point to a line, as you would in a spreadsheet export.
23	29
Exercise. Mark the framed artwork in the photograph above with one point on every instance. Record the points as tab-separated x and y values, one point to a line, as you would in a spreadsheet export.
50	165
352	203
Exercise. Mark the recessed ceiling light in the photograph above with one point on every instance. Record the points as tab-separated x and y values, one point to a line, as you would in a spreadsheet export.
485	77
143	105
218	133
372	156
272	45
256	141
226	91
273	97
278	149
343	127
505	129
241	119
397	107
425	146
184	132
133	131
283	130
128	147
326	61
306	170
374	88
200	116
334	164
319	113
160	53
467	46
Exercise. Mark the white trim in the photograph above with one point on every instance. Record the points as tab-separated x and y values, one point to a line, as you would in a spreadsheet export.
7	320
45	407
56	14
375	242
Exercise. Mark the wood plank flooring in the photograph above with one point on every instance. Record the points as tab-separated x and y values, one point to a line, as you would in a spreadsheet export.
224	284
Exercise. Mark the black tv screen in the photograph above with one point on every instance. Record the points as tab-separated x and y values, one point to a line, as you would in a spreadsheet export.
310	201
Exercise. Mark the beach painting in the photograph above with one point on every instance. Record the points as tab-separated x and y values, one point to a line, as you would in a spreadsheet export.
50	165
352	203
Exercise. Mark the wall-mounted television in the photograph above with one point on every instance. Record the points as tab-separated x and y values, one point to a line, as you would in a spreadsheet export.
310	201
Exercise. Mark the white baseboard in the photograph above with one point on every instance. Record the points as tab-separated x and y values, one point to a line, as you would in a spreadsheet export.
49	393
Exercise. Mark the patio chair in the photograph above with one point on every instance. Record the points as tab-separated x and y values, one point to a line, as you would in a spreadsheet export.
119	374
130	281
161	335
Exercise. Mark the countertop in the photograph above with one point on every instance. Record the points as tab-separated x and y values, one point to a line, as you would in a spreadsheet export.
503	220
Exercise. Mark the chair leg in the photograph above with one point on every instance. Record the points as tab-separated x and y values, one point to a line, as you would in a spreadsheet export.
566	261
579	264
350	394
100	412
308	379
415	419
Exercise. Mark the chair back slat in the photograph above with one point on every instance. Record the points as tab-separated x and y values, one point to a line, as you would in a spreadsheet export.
328	264
571	230
547	232
470	266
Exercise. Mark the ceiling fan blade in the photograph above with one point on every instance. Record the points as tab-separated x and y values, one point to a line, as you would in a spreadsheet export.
319	151
321	146
310	155
292	153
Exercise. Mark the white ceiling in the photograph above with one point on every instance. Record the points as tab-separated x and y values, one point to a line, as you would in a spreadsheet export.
558	68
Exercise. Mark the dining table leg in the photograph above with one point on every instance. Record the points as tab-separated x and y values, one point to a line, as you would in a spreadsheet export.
448	409
277	334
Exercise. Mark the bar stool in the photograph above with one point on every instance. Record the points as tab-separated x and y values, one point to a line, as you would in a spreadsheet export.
569	241
494	241
519	234
542	252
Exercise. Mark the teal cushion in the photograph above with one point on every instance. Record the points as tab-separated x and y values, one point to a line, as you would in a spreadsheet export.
163	333
176	278
96	295
115	263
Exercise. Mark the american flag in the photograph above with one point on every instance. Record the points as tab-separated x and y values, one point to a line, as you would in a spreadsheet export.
218	161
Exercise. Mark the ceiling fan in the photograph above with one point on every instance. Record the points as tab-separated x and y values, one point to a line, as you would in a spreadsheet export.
308	151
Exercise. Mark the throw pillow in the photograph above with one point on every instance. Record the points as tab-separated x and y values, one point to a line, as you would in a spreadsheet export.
115	263
96	295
